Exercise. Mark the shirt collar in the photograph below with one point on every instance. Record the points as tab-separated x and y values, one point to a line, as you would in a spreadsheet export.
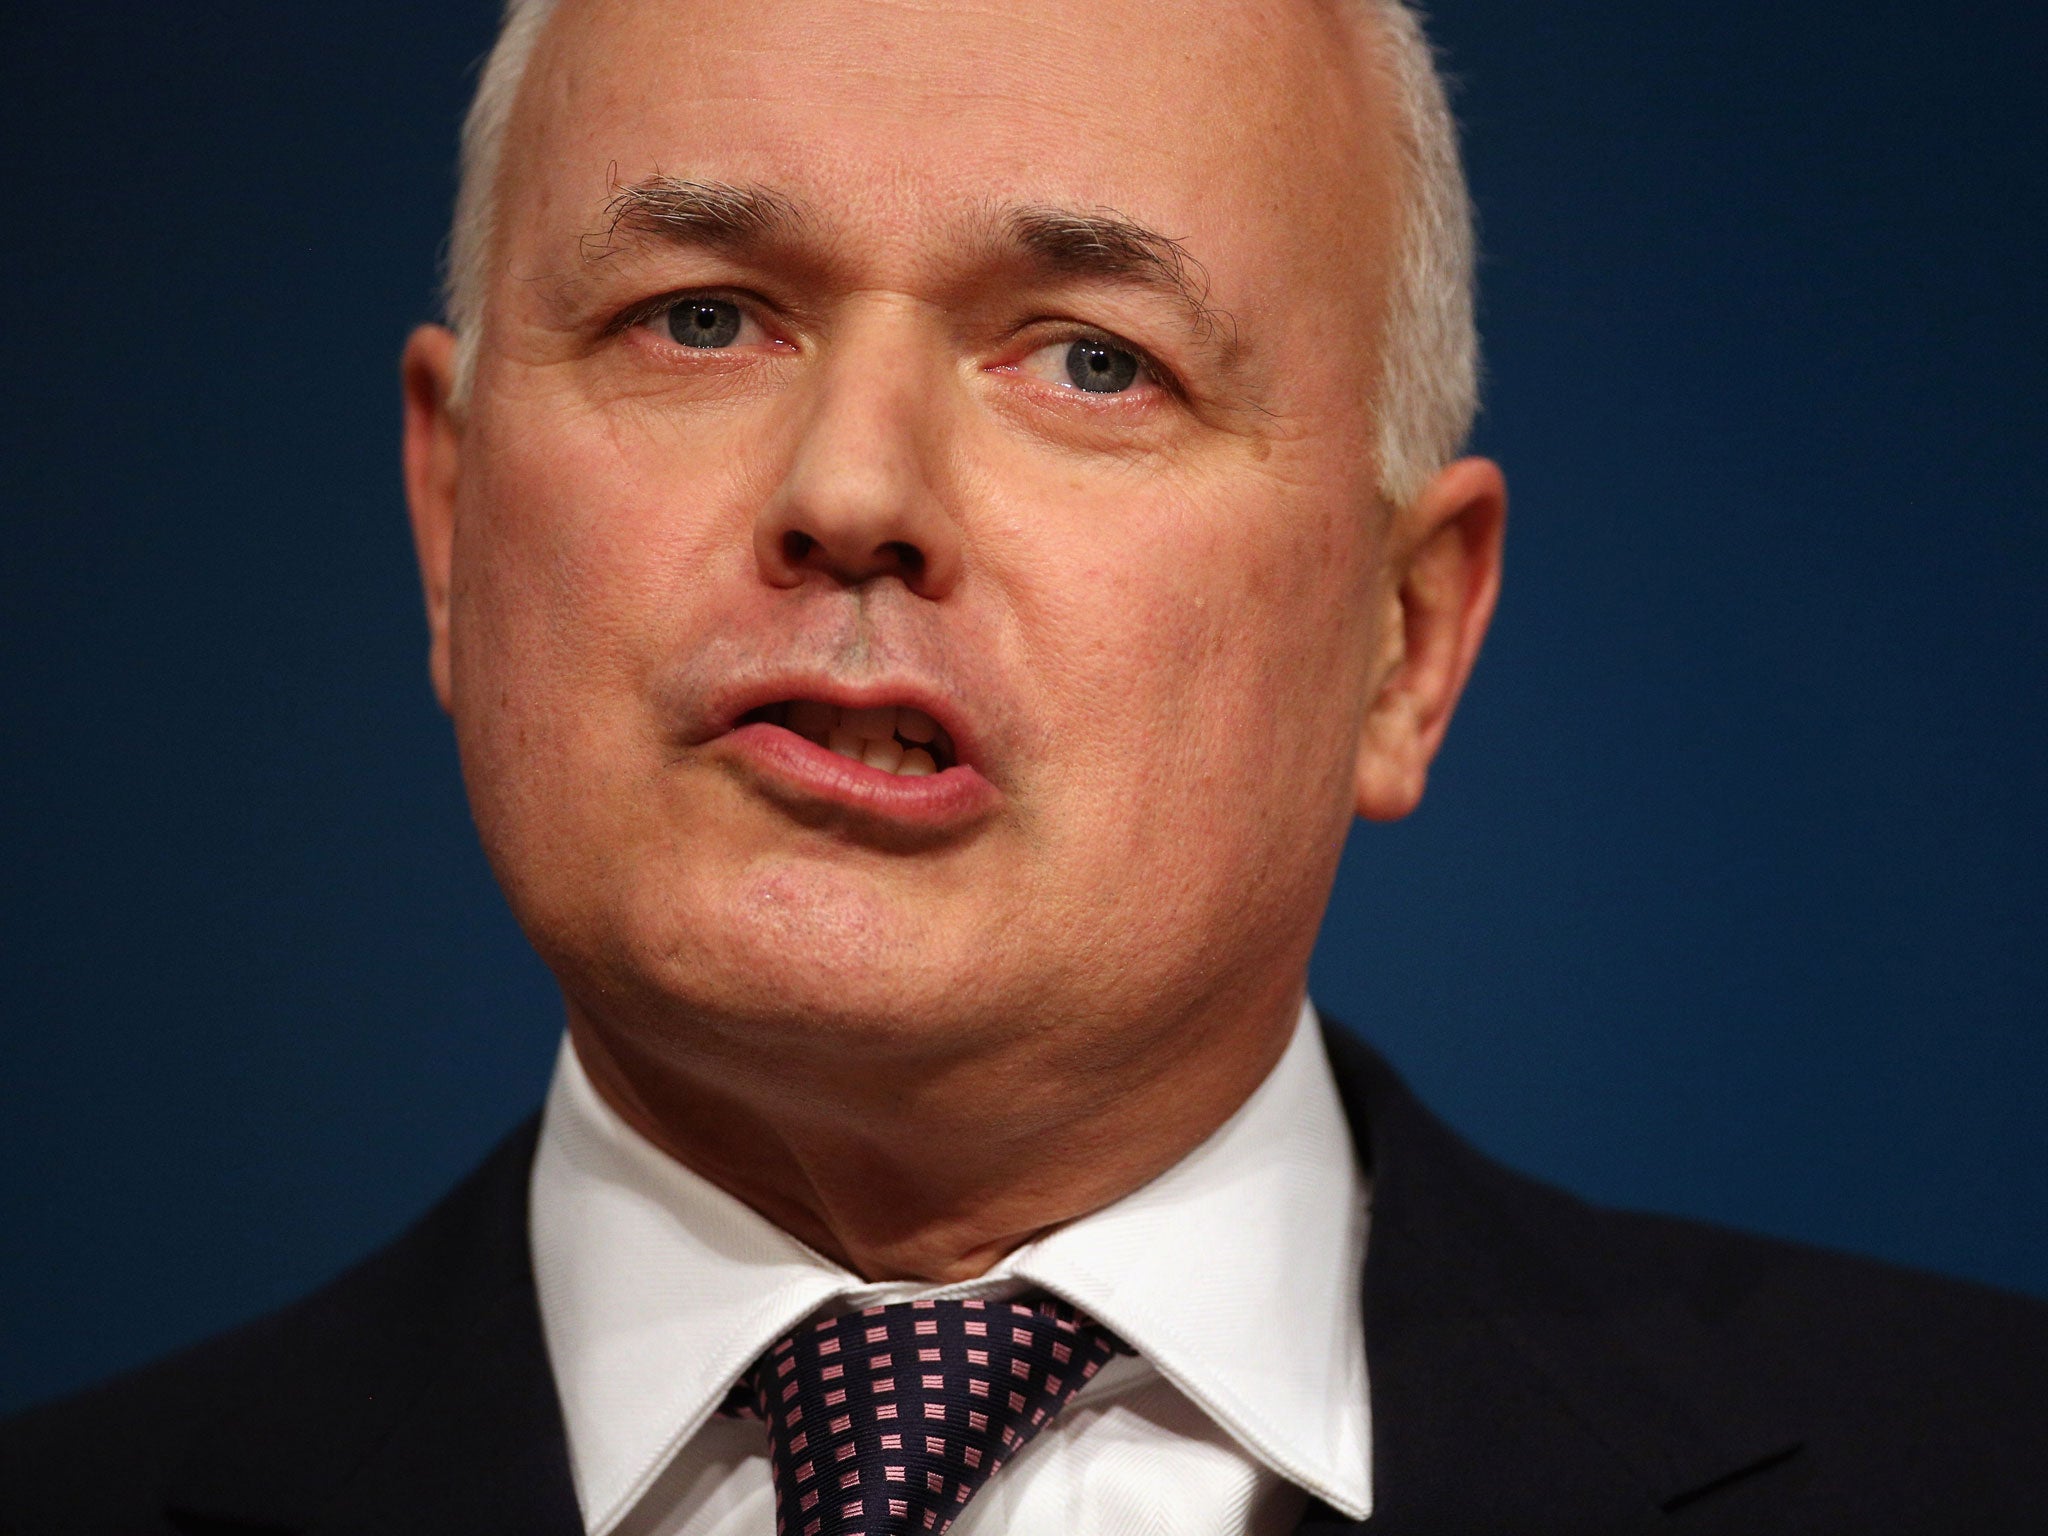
1236	1274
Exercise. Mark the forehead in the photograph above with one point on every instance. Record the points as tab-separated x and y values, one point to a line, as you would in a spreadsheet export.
1257	132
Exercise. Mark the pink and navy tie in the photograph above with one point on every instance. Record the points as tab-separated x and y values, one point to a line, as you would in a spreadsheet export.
886	1422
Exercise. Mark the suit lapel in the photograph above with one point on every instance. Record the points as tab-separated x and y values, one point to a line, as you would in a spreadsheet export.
1528	1373
480	1449
413	1396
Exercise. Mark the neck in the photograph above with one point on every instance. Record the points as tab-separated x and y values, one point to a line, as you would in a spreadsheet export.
914	1165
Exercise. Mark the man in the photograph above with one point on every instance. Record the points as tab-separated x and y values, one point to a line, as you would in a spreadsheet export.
933	520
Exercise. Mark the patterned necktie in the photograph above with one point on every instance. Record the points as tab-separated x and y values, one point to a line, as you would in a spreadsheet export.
885	1422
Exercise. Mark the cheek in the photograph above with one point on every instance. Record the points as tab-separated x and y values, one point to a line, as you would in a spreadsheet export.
583	556
585	541
1208	650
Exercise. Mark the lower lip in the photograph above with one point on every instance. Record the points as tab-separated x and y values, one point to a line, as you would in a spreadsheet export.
931	802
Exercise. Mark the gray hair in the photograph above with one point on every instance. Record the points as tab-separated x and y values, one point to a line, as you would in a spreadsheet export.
1429	365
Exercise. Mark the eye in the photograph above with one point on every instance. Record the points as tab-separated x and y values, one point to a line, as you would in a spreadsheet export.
1094	364
706	324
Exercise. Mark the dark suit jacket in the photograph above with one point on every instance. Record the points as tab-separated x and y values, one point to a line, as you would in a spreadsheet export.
1537	1366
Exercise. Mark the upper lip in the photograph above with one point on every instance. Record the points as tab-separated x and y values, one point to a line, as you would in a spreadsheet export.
726	712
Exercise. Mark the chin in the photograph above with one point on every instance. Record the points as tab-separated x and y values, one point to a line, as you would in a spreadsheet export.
798	949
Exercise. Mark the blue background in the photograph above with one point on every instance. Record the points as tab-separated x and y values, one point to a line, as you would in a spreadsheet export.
1728	897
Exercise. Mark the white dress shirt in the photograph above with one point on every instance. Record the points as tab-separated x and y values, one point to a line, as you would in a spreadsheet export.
1235	1275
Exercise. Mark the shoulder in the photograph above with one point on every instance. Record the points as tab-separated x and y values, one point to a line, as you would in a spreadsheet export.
1902	1400
1848	1340
305	1392
1808	1308
1877	1351
1693	1362
99	1460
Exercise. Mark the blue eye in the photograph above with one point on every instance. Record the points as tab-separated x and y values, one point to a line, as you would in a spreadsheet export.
1101	368
1094	365
705	322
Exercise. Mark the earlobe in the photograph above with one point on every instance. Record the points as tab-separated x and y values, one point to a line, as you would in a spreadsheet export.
1445	566
432	470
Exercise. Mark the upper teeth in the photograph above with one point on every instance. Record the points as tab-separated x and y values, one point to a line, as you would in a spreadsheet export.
870	735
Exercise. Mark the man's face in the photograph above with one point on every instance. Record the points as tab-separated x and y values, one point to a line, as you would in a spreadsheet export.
865	407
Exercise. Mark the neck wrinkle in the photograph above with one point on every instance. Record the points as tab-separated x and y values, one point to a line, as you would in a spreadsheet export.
894	1192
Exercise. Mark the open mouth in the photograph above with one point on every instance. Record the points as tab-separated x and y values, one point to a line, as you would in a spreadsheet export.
895	740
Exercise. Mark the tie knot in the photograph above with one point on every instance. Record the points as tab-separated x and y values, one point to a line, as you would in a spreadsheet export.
886	1421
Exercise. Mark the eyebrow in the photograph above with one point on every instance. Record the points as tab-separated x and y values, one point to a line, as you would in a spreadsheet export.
1087	244
1104	244
682	212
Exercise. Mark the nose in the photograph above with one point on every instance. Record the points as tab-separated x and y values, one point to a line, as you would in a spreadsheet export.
860	499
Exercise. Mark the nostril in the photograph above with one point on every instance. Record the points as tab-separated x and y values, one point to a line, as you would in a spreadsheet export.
798	551
908	557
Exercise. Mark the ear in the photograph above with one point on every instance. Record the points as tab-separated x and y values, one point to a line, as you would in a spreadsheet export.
1444	558
433	444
